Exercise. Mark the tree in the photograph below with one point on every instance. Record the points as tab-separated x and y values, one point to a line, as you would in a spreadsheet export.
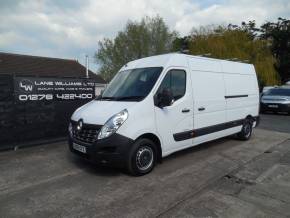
149	37
278	34
249	28
235	43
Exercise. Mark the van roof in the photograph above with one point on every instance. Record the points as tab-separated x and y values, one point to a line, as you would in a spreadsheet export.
195	63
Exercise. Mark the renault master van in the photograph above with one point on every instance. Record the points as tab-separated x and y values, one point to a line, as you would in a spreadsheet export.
158	105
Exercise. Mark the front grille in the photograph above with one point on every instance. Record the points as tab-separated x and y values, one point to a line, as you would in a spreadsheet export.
88	134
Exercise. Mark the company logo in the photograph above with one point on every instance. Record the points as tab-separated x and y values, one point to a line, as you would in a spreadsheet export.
26	85
80	125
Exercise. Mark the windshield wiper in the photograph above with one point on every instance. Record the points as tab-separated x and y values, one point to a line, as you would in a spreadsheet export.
120	98
137	97
106	98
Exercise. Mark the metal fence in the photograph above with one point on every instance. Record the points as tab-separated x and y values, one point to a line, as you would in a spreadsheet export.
39	108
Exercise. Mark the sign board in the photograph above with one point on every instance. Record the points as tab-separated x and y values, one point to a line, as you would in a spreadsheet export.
52	89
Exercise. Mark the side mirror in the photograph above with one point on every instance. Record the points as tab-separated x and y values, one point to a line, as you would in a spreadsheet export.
164	98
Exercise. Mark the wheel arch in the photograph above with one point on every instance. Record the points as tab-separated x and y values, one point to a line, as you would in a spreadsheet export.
157	142
250	117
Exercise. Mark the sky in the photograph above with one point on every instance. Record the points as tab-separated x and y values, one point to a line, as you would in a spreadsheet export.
72	28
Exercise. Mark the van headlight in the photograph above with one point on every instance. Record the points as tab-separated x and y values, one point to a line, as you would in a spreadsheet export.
113	124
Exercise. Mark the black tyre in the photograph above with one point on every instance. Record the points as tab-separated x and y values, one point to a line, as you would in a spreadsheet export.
246	131
142	157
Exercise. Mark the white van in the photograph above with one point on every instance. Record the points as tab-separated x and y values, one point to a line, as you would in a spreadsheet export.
162	104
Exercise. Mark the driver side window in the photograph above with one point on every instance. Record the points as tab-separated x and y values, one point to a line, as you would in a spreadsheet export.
174	81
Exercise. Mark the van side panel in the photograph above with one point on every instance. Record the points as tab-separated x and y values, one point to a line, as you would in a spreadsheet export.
201	64
225	93
242	97
236	67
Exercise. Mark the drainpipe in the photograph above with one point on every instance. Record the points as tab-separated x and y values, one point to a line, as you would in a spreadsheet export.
87	66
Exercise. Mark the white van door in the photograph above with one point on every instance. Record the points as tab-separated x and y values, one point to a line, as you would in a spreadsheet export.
209	104
174	123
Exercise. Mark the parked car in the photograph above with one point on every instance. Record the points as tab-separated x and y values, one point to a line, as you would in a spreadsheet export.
266	88
162	104
276	100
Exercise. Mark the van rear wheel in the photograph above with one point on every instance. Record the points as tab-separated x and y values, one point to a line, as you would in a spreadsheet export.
246	131
142	157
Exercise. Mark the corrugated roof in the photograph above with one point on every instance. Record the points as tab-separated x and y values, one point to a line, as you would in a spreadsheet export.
43	66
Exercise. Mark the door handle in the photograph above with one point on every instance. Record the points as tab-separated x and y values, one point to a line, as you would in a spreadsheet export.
201	109
185	110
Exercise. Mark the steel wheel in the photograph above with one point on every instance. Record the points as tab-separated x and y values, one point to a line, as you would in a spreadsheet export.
144	158
246	131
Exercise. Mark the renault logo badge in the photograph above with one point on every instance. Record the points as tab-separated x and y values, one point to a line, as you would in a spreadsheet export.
80	125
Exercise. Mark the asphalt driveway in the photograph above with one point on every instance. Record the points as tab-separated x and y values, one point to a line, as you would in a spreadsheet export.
224	178
276	122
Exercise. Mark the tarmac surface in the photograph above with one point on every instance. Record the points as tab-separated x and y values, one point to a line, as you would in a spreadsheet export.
223	178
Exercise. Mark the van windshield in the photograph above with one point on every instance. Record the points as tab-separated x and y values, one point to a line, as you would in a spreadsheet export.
131	85
277	91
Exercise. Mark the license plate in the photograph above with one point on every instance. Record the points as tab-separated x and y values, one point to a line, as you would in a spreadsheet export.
273	106
79	148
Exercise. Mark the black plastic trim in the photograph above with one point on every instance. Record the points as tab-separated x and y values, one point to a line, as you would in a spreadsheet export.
183	135
236	96
206	130
86	125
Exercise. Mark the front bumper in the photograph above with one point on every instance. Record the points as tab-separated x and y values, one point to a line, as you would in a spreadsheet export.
113	150
275	107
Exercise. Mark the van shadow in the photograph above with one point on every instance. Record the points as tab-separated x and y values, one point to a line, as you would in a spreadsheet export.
103	170
216	144
92	168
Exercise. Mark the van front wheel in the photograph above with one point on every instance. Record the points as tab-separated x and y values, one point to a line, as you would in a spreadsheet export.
246	131
142	157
